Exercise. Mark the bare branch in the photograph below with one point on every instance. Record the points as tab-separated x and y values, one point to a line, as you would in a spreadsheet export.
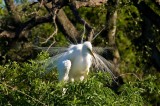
51	45
7	34
88	3
98	33
78	17
82	21
84	31
32	23
67	26
111	27
55	25
36	21
90	35
30	5
76	3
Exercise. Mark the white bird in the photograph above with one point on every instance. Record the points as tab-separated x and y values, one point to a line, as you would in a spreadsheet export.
75	63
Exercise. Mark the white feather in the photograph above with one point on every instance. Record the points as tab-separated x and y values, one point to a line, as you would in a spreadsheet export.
75	62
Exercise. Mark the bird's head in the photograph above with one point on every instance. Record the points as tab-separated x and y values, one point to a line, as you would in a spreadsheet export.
87	46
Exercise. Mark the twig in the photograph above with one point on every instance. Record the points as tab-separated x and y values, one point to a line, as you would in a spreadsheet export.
90	35
14	89
51	45
80	19
83	32
88	3
55	25
30	5
129	74
98	33
41	3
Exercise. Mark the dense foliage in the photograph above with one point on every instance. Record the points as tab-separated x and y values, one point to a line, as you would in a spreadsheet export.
22	84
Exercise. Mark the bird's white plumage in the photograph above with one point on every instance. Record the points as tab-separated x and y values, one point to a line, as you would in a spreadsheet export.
80	62
75	63
64	68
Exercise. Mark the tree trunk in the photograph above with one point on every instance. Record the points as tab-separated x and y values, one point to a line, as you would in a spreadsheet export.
111	20
111	31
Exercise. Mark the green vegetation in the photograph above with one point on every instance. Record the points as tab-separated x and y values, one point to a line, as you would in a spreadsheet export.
22	84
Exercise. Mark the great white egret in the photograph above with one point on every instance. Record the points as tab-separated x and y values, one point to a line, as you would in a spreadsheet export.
75	62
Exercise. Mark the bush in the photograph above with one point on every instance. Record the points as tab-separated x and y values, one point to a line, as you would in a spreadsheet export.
22	84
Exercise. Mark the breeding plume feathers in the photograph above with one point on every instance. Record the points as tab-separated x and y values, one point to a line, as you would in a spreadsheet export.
98	62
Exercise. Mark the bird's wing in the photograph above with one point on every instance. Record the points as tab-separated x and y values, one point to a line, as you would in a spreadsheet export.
101	64
51	63
63	70
101	50
52	50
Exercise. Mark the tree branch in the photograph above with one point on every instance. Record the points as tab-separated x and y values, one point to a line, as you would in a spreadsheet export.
111	27
32	23
67	26
56	29
82	21
36	21
88	3
12	10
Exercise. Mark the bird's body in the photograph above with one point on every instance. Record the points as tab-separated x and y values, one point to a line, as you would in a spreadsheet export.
75	63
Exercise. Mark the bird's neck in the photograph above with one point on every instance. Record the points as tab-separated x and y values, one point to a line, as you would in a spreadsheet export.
86	54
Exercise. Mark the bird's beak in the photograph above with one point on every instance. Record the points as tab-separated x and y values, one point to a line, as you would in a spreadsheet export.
91	53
